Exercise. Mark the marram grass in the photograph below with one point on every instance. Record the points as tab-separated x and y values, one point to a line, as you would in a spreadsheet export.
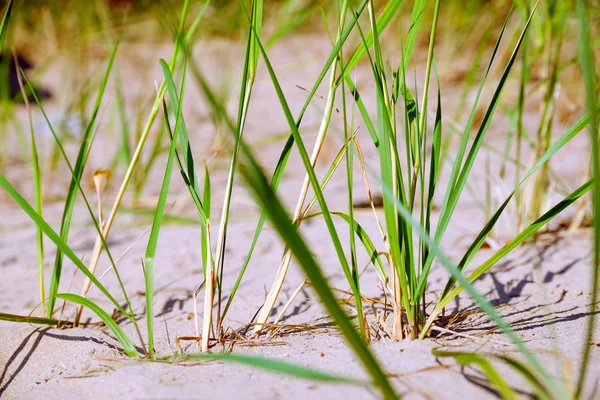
413	147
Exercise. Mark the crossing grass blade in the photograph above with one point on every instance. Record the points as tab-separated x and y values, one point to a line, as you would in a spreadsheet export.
482	302
587	61
271	206
352	279
188	173
89	209
495	377
326	179
32	320
149	258
270	365
99	245
389	11
461	170
286	151
248	76
56	239
80	163
37	184
366	241
447	296
4	23
128	346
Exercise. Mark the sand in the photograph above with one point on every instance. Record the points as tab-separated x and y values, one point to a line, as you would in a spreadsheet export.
542	289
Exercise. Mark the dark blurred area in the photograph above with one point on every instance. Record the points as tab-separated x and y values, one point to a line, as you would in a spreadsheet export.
10	84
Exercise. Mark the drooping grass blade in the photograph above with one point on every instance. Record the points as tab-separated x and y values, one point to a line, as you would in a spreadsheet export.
587	60
128	346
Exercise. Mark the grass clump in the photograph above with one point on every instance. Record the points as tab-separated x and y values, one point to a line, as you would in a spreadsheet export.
409	133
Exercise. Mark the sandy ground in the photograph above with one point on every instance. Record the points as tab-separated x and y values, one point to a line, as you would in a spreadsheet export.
542	289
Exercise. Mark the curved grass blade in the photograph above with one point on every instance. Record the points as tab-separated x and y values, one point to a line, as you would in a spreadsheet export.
271	365
84	151
187	169
4	23
286	151
352	280
54	237
520	238
589	77
465	358
32	320
128	346
324	182
87	204
272	207
250	67
100	242
466	284
391	8
458	177
365	239
152	244
37	184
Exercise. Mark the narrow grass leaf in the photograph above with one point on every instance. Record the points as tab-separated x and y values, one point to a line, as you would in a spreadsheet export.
271	365
128	346
271	206
152	244
54	237
82	156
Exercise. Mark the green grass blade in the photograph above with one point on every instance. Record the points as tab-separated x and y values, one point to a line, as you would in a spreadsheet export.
540	390
466	284
520	238
37	184
62	152
250	66
479	240
152	244
31	320
128	346
271	206
180	127
589	77
286	151
464	358
366	241
4	23
327	177
271	365
455	188
54	237
315	184
206	202
390	9
186	168
330	171
84	150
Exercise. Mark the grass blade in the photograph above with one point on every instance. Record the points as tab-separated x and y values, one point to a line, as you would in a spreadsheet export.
308	165
589	77
4	23
152	244
271	206
538	224
84	150
465	358
128	346
31	320
271	365
54	237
